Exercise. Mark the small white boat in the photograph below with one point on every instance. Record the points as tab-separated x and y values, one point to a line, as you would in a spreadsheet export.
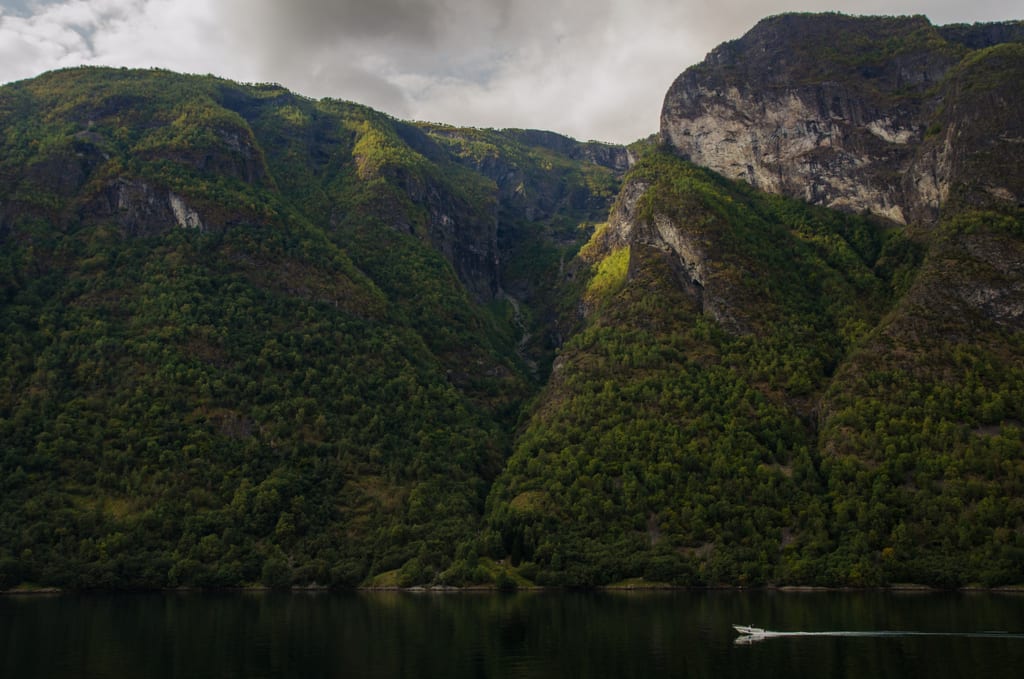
748	630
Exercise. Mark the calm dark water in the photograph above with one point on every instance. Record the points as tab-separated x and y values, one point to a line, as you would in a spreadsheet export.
462	636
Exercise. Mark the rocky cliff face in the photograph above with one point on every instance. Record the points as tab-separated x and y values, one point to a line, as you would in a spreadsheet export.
520	176
976	151
141	209
525	189
849	113
688	245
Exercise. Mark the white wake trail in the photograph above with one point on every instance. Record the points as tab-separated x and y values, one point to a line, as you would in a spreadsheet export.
750	635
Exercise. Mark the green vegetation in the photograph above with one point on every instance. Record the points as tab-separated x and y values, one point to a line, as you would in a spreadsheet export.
256	339
173	419
814	446
668	448
302	390
928	415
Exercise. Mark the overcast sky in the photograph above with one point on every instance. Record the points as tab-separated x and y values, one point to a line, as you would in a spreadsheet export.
593	69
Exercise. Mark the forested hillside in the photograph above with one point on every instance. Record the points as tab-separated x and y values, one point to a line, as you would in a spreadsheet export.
251	338
764	392
740	406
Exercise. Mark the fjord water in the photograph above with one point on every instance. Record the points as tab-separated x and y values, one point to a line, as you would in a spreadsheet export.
656	634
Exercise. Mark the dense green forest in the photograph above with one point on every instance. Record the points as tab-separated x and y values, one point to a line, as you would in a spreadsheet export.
251	338
239	402
813	448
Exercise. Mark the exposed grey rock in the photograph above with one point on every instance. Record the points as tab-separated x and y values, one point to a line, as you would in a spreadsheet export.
995	289
465	234
186	216
612	156
474	238
816	143
687	250
814	107
143	210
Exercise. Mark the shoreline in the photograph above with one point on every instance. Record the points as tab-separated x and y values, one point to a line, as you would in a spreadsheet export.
899	588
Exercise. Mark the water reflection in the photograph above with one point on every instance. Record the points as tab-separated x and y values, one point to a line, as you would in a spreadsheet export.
528	635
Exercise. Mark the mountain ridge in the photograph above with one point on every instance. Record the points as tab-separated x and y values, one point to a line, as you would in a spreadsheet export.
255	338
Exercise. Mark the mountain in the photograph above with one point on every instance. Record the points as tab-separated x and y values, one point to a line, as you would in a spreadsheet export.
247	333
876	114
251	337
761	391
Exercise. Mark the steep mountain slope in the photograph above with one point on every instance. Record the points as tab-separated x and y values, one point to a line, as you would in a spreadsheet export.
676	438
765	393
250	336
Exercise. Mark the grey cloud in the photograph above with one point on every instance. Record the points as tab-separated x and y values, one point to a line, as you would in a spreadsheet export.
406	20
361	49
363	86
21	7
451	37
311	24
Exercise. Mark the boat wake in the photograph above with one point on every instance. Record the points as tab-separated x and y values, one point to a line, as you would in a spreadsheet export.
750	634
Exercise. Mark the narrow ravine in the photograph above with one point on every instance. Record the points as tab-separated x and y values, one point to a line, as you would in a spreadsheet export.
525	336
